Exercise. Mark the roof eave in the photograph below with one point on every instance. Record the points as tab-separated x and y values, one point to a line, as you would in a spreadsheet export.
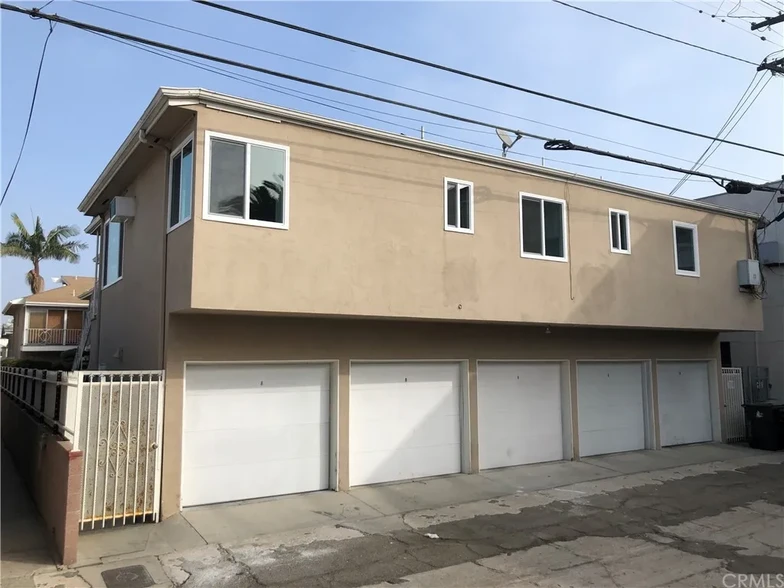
166	97
156	108
11	303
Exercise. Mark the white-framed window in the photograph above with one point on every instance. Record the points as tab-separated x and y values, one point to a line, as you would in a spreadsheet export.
246	181
112	255
458	206
687	250
181	183
620	242
542	227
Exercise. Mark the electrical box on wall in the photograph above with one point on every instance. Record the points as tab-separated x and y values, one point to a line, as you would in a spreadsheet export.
122	208
748	273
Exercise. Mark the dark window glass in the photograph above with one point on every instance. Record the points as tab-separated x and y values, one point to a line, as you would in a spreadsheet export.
553	229
622	221
451	204
532	225
465	207
684	242
174	208
186	182
267	183
614	230
227	178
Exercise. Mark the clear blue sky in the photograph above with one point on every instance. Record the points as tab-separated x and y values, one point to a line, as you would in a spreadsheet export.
93	90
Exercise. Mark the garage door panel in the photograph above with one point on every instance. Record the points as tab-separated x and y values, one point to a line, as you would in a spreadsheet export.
406	463
611	407
255	430
378	435
208	412
205	483
404	421
520	419
220	446
684	403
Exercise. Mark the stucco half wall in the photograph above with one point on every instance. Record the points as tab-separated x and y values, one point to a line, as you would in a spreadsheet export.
225	337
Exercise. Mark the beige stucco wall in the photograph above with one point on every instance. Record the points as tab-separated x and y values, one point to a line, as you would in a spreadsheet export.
367	238
131	309
132	313
193	337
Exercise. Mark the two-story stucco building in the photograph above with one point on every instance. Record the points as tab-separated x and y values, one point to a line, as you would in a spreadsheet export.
50	322
337	306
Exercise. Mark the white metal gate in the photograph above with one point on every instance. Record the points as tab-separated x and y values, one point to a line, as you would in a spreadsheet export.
734	416
118	429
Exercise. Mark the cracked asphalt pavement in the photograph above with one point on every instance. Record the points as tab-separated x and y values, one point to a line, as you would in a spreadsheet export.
691	531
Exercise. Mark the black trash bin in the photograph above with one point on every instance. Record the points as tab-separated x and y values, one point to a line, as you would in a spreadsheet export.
765	425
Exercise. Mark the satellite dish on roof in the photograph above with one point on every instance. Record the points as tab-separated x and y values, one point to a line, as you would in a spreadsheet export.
506	140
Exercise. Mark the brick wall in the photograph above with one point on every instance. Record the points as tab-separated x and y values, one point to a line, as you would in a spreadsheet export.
52	471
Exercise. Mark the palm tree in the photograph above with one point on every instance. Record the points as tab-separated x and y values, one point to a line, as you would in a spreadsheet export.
59	244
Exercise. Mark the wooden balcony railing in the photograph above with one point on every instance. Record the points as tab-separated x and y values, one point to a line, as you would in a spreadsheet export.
52	336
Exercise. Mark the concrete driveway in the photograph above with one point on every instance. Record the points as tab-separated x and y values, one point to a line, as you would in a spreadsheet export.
692	516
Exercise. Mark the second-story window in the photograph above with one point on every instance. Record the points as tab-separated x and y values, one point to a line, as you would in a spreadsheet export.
687	251
619	231
247	181
542	227
458	206
181	184
113	245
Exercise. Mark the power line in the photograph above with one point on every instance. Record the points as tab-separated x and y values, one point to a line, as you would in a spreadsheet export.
474	76
735	124
747	93
732	24
401	87
272	87
642	30
30	114
550	144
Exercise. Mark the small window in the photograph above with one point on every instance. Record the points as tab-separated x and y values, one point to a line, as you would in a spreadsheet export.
113	245
247	181
687	253
458	206
542	227
619	231
181	184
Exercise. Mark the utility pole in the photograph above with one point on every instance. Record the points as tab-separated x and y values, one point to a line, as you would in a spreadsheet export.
775	67
767	22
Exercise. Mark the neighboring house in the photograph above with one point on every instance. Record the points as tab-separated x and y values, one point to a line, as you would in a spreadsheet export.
50	322
336	305
766	348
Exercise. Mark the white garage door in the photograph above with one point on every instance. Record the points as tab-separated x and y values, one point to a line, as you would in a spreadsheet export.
520	417
404	421
684	403
254	430
610	401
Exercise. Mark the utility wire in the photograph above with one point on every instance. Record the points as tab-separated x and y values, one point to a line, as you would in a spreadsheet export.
642	30
550	144
735	124
747	93
30	113
732	24
401	87
474	76
298	94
